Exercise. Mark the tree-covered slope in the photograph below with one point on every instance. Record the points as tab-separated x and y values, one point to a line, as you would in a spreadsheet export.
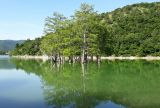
29	47
135	29
7	45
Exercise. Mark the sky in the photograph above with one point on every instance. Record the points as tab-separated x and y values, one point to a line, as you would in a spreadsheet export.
24	19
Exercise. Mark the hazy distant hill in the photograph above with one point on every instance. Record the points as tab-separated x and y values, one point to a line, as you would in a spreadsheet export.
7	45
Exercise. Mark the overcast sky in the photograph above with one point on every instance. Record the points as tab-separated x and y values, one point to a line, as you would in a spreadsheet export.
23	19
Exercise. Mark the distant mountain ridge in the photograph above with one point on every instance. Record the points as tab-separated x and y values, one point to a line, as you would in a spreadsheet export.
8	45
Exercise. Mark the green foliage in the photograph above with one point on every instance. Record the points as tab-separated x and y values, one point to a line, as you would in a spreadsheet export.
29	47
135	29
2	52
66	36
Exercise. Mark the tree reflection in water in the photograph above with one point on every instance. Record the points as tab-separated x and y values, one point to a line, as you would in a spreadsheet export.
133	84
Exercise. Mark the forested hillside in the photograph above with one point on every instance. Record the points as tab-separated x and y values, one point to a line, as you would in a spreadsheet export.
7	45
29	47
133	30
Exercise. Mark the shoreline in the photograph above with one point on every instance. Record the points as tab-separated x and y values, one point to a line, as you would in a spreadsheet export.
132	58
26	57
94	58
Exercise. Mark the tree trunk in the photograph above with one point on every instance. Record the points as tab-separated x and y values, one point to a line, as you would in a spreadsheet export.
80	59
98	58
55	58
59	58
70	59
84	50
92	58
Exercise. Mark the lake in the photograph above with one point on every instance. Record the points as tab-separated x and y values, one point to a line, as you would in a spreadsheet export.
111	84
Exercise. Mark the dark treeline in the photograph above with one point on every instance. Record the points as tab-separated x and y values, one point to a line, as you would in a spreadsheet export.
29	47
2	53
133	30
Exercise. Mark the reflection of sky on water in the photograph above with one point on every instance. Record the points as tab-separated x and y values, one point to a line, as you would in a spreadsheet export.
108	104
5	63
18	88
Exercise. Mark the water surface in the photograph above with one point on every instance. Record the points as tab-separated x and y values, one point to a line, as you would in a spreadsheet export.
112	84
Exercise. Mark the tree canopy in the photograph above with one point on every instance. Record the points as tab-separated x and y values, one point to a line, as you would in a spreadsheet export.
29	47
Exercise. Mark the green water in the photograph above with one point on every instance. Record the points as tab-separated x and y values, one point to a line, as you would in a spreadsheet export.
112	84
